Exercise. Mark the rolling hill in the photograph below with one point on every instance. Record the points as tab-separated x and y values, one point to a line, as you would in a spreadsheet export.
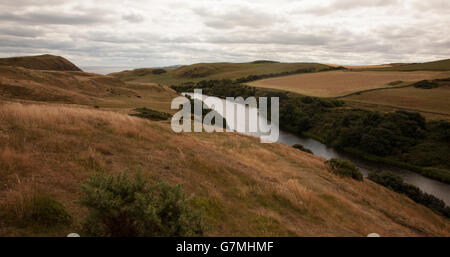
208	71
77	87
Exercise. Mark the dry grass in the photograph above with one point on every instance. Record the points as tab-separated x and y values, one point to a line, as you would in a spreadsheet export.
246	188
430	100
339	83
362	66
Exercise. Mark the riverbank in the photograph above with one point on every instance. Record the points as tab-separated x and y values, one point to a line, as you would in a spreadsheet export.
433	173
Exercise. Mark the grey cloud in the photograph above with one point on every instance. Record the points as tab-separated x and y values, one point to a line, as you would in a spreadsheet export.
30	3
21	31
133	18
162	33
53	18
113	37
273	37
36	43
346	5
239	17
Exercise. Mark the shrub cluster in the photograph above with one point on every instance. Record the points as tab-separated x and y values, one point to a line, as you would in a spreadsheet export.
302	148
150	114
122	207
394	182
158	71
426	84
344	168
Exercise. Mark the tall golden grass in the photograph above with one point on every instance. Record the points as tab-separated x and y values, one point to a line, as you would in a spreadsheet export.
246	188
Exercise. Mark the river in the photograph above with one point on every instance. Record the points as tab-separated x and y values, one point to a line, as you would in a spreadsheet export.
439	189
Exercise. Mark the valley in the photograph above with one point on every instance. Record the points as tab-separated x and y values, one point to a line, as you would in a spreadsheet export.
57	127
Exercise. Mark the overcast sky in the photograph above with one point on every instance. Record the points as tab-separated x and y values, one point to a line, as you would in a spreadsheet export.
153	33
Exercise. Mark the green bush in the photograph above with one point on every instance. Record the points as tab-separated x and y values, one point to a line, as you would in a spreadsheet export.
344	168
121	207
395	183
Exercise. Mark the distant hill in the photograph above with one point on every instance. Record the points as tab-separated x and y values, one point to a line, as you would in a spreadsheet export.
207	71
442	65
40	62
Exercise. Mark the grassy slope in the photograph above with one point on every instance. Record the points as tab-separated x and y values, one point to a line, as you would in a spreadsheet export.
73	87
40	62
245	187
207	71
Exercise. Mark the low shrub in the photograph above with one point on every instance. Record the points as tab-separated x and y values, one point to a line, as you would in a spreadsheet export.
344	168
158	71
425	84
121	207
36	209
150	114
302	148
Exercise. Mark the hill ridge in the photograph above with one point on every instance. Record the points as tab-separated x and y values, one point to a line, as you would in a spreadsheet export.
40	62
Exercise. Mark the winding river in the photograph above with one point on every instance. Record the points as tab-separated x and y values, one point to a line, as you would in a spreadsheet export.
434	187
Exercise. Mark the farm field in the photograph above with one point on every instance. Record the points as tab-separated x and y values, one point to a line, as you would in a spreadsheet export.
340	83
434	100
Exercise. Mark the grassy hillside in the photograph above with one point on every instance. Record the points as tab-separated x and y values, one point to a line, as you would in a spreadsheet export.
442	65
75	87
208	71
40	62
54	148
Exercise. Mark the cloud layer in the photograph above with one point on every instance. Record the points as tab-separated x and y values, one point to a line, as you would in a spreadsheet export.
158	33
